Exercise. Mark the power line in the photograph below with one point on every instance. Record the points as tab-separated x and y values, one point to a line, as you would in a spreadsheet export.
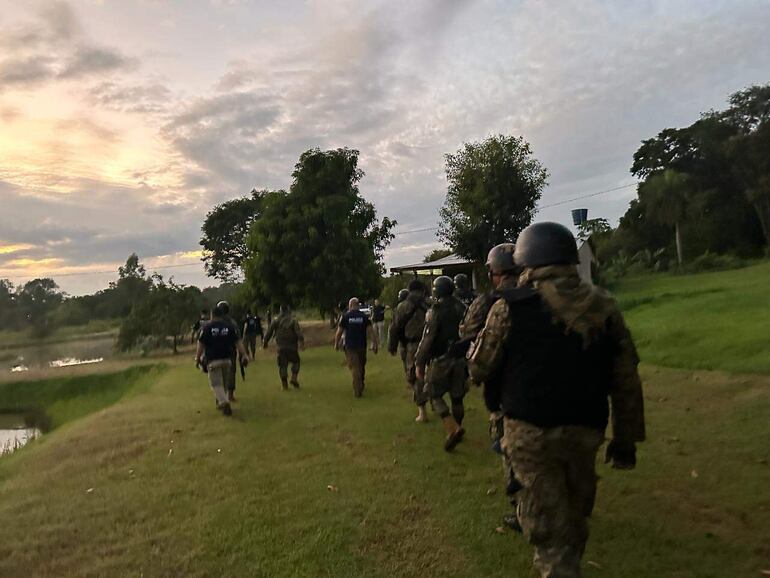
573	199
556	204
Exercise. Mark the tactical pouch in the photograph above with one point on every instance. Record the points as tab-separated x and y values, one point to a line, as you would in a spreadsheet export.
439	374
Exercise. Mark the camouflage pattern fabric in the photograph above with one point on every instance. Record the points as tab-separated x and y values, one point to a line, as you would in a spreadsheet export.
556	468
447	375
285	358
476	315
417	385
287	332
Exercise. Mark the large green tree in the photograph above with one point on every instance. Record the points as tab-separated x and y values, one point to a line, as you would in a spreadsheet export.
224	235
321	242
37	300
668	194
493	189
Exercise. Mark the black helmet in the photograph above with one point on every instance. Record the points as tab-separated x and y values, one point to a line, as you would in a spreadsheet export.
443	287
403	294
500	259
416	285
462	283
546	243
222	308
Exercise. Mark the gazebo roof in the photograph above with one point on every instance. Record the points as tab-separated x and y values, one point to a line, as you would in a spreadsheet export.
448	261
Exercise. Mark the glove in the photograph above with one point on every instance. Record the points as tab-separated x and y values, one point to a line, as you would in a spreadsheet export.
621	454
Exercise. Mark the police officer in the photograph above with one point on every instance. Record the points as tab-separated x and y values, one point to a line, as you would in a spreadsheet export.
503	275
224	309
561	348
252	328
218	342
356	326
406	328
203	318
446	373
289	340
463	290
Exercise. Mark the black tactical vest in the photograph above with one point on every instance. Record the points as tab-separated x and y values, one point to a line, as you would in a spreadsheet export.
549	379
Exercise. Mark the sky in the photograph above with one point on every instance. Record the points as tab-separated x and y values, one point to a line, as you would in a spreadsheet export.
122	123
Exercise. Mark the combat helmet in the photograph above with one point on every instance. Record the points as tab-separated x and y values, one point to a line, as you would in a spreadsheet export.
403	294
500	259
546	243
443	287
462	283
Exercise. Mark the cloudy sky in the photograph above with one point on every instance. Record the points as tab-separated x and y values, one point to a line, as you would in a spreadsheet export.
122	122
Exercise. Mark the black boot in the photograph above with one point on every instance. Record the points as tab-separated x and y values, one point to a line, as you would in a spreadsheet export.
284	384
226	409
295	381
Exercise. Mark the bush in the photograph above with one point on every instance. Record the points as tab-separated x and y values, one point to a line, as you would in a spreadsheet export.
713	262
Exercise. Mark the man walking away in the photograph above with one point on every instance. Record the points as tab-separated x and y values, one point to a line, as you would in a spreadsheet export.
378	318
252	328
561	349
393	335
354	326
446	373
288	340
218	342
407	329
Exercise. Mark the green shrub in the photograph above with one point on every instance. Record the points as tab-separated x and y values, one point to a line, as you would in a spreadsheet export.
713	262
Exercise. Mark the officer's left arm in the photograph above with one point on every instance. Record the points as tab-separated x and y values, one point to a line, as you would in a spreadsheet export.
338	336
626	388
199	352
486	355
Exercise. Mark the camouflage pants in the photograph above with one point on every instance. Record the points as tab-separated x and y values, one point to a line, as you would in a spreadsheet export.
447	375
418	386
286	357
402	354
556	467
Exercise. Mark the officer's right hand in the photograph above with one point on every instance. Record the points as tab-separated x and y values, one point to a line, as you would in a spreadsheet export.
621	454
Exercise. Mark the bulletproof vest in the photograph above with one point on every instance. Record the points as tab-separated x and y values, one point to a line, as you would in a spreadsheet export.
550	377
447	315
285	335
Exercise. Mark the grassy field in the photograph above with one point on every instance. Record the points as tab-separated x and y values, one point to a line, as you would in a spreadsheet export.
709	321
151	481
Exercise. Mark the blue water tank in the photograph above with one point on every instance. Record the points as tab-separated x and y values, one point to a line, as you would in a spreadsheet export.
579	216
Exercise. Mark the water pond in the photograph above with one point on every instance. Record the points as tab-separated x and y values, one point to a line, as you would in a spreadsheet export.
54	355
16	430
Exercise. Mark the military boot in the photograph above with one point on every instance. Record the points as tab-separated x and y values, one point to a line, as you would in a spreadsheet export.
284	384
295	381
454	433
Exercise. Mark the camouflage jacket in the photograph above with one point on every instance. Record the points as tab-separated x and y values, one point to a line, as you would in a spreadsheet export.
287	332
408	322
441	329
584	309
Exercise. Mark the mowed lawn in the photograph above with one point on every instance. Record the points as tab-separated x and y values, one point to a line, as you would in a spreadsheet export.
317	483
715	320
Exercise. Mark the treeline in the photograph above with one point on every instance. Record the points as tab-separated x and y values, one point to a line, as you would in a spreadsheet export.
704	192
152	311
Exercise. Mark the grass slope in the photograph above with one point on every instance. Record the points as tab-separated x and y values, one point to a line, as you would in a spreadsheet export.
706	321
178	490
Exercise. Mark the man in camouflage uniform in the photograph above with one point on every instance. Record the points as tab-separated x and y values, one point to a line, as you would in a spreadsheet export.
463	290
446	372
288	340
560	348
402	295
406	328
503	274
